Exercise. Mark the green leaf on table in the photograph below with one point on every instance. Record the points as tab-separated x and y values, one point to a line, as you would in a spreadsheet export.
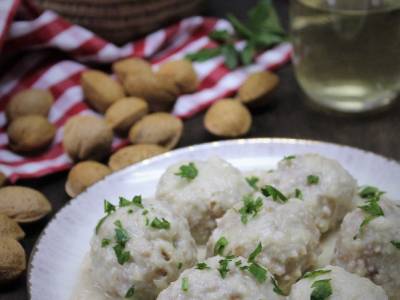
220	36
247	54
231	56
204	54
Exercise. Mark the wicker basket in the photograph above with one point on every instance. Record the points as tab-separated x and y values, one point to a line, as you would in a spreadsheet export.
121	21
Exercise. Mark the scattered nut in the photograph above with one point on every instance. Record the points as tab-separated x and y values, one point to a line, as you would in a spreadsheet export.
227	118
23	204
29	102
3	179
130	66
10	228
162	129
257	87
183	74
159	91
87	137
12	259
30	133
125	112
83	175
100	89
133	154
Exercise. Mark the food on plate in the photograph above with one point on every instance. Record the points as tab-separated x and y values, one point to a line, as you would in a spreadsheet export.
30	133
139	248
132	154
23	204
83	175
159	91
125	112
334	283
131	66
100	90
285	234
87	137
326	188
160	128
368	242
202	191
10	228
183	74
224	278
3	179
257	87
29	102
227	118
12	259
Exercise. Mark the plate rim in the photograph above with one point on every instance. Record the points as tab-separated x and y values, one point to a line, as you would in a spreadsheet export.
262	140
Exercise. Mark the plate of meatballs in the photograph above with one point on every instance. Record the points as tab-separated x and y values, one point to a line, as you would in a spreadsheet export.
255	219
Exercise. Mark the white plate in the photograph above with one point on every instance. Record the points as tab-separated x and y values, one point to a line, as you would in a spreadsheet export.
60	250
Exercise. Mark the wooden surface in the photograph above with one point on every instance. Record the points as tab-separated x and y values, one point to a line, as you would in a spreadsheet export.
287	116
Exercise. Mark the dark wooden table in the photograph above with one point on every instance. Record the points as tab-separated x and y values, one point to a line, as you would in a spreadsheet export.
288	116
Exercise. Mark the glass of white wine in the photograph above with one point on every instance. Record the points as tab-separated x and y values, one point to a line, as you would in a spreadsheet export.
347	52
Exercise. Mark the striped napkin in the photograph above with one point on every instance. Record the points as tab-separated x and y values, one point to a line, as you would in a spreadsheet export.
55	54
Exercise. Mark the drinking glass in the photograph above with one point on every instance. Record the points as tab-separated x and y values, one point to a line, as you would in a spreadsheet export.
347	52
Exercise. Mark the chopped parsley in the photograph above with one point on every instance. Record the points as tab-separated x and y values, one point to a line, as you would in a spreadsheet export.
298	194
202	266
121	235
137	200
188	171
277	288
255	252
130	211
105	242
250	207
252	181
372	209
370	192
220	246
277	196
312	179
396	243
258	272
145	212
185	284
289	157
130	292
313	274
108	210
223	267
180	265
238	263
321	289
124	202
160	224
122	255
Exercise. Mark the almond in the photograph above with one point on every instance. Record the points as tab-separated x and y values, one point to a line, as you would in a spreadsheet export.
132	154
183	74
23	204
10	228
29	102
83	175
227	118
12	259
100	90
162	129
257	87
130	66
158	90
30	133
125	112
87	137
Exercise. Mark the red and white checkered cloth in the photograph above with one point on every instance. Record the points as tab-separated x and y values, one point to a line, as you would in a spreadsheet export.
59	71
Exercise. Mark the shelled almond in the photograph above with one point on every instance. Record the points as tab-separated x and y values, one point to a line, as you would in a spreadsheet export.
12	259
183	74
131	66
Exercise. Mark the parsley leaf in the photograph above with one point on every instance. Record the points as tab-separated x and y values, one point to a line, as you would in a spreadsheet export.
277	196
122	256
121	235
396	243
298	194
188	171
373	211
247	54
258	272
185	284
321	289
202	266
289	157
255	252
130	292
220	36
277	288
137	200
220	246
370	192
105	242
313	274
312	179
223	267
124	202
252	181
250	207
108	210
231	56
160	224
204	54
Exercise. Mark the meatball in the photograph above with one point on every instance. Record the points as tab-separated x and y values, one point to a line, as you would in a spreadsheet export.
325	186
337	283
221	278
372	250
139	248
286	234
202	198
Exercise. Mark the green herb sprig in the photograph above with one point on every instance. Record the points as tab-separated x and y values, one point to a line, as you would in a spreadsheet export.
251	207
188	171
275	194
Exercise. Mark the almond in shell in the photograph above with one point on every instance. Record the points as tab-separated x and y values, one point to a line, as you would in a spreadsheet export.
257	87
132	154
12	259
23	204
228	118
131	66
183	74
10	228
83	175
